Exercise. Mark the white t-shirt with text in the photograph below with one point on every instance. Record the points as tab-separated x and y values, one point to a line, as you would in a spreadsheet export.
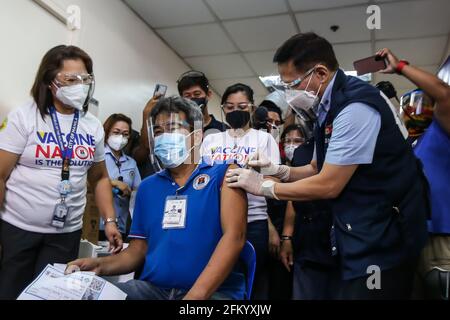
222	147
32	188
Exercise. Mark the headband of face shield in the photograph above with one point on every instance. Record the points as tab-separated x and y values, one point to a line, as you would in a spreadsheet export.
170	138
74	90
416	111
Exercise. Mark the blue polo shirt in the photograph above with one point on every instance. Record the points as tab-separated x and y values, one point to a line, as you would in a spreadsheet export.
127	169
176	257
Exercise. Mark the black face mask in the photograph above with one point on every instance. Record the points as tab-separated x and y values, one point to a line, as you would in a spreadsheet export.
201	102
238	119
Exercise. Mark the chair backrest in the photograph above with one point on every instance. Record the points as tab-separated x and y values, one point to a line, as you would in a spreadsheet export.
248	256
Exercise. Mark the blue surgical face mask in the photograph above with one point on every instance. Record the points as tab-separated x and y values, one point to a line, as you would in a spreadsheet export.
171	150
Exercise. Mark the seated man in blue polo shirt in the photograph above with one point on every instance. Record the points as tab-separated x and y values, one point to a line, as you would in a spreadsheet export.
188	226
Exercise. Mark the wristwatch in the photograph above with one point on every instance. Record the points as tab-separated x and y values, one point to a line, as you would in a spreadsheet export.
111	220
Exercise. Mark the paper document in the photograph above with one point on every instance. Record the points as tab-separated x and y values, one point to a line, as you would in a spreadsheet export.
52	284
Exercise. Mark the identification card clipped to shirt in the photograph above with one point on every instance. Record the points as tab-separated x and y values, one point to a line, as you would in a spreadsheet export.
60	215
175	212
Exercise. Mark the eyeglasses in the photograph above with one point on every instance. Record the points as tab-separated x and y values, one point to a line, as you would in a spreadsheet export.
171	127
297	82
229	107
70	79
294	141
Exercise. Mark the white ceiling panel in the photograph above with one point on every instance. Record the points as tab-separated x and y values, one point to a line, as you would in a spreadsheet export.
348	53
422	51
261	33
262	63
305	5
197	40
254	83
167	13
414	19
352	23
221	67
232	9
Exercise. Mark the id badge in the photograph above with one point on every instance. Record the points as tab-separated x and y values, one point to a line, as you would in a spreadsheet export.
175	212
60	215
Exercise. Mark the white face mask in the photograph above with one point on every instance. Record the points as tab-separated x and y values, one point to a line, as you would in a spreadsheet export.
289	150
117	142
73	96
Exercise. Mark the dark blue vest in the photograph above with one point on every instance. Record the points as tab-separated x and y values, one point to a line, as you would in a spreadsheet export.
380	216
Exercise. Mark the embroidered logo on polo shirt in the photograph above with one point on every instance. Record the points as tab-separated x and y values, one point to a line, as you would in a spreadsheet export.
201	181
3	125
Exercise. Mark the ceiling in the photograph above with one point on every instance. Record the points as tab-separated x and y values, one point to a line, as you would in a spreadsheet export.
235	40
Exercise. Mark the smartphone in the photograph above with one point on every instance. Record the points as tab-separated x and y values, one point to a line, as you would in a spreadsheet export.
160	90
369	65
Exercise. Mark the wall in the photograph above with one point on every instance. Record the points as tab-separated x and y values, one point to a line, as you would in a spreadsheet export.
129	58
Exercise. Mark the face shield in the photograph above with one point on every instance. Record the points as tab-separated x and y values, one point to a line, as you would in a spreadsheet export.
172	139
416	111
74	89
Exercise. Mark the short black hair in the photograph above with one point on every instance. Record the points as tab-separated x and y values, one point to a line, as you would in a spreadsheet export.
177	104
238	87
272	107
191	79
306	50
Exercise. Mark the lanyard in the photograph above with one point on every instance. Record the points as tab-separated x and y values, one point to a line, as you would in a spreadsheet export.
66	152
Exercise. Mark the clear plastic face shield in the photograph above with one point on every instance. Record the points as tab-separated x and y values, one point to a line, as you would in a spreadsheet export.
173	141
303	118
303	103
416	111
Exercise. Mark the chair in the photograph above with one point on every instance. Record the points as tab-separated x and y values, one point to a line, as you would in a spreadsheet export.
248	256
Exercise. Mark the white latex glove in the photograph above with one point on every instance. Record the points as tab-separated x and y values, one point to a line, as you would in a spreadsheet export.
251	181
268	168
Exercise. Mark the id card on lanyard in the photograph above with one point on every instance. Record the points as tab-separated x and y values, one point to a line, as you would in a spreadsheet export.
65	187
175	212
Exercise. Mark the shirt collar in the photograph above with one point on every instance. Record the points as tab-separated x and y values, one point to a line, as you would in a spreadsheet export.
204	163
325	103
108	150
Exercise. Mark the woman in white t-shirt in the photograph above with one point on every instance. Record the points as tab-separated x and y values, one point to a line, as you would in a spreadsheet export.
237	145
49	148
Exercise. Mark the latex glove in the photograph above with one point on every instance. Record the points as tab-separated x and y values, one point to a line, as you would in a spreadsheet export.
251	181
267	168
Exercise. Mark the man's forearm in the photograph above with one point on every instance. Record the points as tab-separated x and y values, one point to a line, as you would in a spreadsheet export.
429	83
141	153
127	261
308	189
299	173
218	267
289	220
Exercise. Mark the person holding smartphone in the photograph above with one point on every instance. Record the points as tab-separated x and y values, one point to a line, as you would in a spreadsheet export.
142	150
